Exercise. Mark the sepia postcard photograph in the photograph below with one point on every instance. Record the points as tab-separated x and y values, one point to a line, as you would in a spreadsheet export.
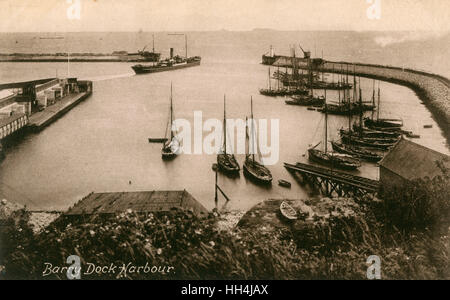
228	147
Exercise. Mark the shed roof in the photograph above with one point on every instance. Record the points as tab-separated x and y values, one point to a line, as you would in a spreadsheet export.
146	201
412	161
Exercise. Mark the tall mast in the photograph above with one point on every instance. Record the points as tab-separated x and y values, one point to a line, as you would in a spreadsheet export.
68	64
373	97
153	43
354	85
224	127
322	66
253	130
278	78
339	93
332	74
326	122
360	111
346	79
171	113
342	83
378	108
310	77
270	87
185	42
350	123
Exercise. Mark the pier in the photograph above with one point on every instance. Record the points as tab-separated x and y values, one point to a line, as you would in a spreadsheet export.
329	181
39	120
37	103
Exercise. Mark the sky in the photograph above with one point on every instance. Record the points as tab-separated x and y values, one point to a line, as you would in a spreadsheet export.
236	15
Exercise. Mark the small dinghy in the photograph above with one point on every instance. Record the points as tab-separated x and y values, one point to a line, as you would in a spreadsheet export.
287	211
284	183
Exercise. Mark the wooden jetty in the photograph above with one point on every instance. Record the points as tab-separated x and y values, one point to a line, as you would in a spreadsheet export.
330	181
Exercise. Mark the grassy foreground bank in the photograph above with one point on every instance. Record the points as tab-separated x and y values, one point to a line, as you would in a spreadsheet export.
408	230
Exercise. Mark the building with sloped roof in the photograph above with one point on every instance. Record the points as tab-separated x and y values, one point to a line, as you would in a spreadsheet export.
139	202
408	161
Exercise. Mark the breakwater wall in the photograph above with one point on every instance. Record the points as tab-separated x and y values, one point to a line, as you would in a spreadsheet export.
73	57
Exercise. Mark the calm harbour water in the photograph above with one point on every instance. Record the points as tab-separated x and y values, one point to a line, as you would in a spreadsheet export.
102	144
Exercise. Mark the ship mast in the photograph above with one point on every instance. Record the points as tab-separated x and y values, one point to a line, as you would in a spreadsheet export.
310	77
171	113
185	45
224	127
278	78
253	129
326	121
361	111
373	97
378	108
153	43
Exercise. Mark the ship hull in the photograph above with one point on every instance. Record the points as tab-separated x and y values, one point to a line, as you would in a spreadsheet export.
372	157
141	69
251	172
325	159
269	60
228	164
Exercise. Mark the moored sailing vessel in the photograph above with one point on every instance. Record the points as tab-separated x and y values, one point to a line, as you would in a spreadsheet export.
281	90
253	169
171	145
331	159
227	161
362	153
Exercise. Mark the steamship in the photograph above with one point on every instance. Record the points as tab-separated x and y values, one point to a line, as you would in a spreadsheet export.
168	64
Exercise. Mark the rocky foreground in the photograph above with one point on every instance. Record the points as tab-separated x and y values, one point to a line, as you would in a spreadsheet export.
332	239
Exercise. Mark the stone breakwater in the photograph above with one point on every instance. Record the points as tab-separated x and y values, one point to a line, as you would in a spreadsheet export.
432	89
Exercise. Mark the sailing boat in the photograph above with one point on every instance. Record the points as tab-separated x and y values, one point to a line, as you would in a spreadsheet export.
325	157
358	138
226	162
360	152
309	99
382	124
171	145
361	135
252	168
281	91
150	56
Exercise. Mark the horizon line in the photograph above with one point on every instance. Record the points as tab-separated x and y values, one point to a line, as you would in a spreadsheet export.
230	30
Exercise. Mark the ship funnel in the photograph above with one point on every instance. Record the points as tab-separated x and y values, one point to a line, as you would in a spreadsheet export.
171	52
292	52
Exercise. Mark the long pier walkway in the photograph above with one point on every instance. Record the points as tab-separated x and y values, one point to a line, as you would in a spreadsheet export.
331	181
39	120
